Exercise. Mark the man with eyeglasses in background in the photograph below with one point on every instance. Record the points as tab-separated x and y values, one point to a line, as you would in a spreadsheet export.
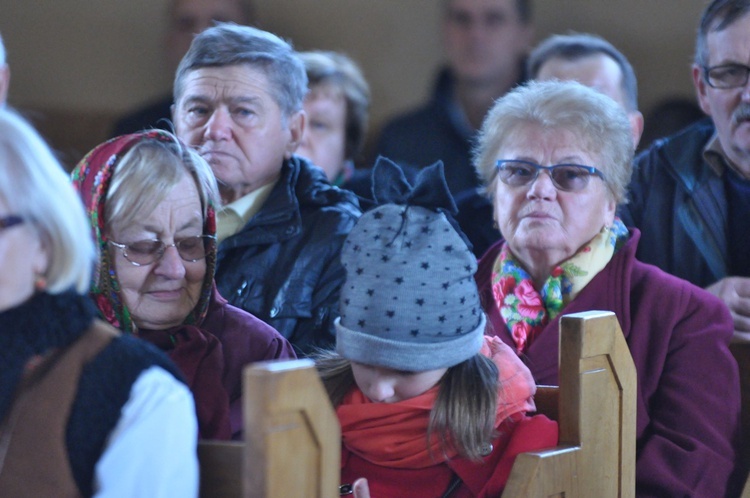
690	193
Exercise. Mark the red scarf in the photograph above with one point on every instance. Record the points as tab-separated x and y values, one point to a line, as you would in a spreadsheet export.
390	434
394	434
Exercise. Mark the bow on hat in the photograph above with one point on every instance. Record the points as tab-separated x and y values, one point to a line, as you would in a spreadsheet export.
389	186
430	190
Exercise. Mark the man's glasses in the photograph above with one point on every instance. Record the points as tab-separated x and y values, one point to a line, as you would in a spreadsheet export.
566	177
145	252
726	76
9	221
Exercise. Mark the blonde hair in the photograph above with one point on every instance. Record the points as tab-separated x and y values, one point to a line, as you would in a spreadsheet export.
36	187
148	172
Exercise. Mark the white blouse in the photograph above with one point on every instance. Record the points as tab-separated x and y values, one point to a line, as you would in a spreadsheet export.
152	449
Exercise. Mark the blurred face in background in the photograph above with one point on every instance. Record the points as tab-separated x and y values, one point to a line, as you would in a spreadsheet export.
729	108
324	139
600	72
187	18
484	40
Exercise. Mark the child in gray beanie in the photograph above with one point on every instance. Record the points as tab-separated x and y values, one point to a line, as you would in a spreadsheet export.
428	405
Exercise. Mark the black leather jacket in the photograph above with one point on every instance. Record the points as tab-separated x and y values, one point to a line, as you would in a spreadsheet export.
283	266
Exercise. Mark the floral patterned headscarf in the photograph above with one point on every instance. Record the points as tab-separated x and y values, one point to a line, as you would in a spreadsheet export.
92	178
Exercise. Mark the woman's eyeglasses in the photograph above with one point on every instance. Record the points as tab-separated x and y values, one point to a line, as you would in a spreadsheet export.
9	221
145	252
566	177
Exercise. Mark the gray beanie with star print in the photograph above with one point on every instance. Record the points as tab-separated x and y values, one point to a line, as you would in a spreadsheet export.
409	301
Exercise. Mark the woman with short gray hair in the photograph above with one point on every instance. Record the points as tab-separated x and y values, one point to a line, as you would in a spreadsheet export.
555	158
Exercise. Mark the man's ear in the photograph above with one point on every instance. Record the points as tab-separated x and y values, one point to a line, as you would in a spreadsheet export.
636	127
296	124
701	88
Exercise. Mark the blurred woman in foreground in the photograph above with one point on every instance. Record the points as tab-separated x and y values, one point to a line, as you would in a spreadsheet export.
77	399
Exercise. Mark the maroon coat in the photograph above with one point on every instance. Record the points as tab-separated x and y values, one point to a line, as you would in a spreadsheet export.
244	339
688	393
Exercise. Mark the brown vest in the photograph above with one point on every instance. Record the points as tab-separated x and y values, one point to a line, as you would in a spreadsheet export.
36	462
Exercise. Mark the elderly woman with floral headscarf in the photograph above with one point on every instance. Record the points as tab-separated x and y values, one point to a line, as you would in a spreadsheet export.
556	159
151	206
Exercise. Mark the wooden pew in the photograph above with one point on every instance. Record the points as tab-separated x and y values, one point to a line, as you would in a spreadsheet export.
293	438
597	409
292	442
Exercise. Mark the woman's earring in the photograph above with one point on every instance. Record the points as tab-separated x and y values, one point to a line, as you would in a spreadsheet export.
40	283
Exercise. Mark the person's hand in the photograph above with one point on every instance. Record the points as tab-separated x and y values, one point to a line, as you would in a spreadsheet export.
735	292
361	489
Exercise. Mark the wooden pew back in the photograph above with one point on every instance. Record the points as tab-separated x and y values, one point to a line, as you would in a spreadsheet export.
292	436
292	442
597	409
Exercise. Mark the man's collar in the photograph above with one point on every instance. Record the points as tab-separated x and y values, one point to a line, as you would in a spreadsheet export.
717	159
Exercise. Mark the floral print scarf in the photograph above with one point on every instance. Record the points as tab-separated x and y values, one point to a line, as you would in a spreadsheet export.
527	311
92	178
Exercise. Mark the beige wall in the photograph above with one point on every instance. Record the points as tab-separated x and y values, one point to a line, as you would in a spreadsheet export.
104	55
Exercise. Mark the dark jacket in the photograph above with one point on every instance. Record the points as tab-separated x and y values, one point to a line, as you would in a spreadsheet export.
434	132
475	217
679	204
688	399
283	266
155	114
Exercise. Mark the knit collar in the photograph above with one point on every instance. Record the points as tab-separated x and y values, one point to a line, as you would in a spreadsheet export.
92	178
41	324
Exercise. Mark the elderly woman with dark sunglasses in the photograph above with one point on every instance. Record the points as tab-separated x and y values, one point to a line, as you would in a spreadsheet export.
556	160
151	206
